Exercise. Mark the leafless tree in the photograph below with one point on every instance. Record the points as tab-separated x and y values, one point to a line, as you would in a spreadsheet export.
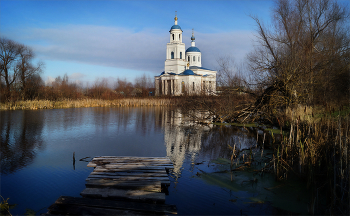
16	66
303	55
26	70
230	78
8	57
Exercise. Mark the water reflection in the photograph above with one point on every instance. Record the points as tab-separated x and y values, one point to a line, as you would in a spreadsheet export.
37	148
20	138
186	139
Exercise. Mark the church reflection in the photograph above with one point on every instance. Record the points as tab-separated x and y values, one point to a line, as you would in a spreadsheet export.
186	140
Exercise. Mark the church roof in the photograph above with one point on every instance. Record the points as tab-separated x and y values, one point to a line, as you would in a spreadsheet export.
175	27
188	72
192	49
196	67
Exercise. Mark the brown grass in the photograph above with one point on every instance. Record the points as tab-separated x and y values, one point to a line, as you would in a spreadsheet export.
66	103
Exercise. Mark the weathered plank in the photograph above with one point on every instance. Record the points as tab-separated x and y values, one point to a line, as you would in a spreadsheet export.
104	169
154	186
130	178
57	209
111	204
150	174
165	165
117	166
124	194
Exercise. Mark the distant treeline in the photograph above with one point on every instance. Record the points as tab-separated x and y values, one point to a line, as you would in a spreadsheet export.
20	80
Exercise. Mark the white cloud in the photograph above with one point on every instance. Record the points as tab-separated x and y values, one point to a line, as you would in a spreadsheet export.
124	48
76	76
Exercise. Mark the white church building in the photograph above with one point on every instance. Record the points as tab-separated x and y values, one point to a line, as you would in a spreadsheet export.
183	72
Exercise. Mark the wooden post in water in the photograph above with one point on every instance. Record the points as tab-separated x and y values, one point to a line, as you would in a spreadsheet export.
74	160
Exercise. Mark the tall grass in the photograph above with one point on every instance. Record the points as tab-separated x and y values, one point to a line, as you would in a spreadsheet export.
66	103
317	149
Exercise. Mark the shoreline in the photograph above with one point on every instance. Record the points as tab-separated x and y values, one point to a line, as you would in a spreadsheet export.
67	103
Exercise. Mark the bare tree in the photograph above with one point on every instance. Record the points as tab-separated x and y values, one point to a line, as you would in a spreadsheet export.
305	51
230	76
16	66
26	70
8	58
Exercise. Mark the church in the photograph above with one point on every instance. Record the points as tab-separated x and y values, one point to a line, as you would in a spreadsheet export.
183	72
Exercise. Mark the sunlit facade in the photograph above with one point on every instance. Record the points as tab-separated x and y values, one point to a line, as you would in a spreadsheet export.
183	72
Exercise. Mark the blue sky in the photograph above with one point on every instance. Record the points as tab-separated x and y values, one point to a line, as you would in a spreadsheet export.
89	40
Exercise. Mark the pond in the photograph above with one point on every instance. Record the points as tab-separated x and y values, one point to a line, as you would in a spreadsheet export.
37	167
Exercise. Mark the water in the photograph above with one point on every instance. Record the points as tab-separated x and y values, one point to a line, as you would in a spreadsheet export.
37	157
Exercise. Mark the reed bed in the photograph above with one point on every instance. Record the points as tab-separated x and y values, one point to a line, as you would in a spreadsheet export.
67	103
318	151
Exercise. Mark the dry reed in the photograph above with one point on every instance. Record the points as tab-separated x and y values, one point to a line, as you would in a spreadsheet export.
317	149
66	103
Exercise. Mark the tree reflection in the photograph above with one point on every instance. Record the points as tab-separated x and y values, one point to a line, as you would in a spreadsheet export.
20	138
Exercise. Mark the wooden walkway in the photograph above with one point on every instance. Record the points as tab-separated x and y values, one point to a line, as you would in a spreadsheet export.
121	185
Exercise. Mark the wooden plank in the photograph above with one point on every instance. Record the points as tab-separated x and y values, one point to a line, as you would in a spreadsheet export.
116	166
57	209
111	204
101	169
124	194
154	186
150	174
130	157
164	181
130	161
130	178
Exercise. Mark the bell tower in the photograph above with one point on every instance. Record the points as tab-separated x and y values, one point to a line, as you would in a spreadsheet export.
175	50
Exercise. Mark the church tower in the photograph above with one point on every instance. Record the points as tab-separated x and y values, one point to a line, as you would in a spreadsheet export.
193	54
175	51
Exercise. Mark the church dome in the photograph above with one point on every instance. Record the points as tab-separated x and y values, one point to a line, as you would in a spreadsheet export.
192	49
188	72
175	27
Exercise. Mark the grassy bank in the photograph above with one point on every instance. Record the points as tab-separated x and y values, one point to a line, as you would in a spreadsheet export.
66	103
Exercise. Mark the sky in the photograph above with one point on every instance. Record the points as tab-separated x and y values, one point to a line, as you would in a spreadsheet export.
95	40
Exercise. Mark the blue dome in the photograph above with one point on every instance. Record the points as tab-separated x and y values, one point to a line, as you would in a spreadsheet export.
192	49
175	27
188	72
162	73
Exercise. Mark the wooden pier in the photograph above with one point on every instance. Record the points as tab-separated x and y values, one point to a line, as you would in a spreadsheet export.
121	186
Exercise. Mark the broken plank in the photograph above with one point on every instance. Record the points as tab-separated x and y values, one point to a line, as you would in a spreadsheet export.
154	186
102	203
124	194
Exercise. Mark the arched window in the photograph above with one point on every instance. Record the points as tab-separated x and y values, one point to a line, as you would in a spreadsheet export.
194	58
199	59
179	37
183	87
173	37
172	55
188	58
180	55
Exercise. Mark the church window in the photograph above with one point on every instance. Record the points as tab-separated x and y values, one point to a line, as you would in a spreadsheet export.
183	87
188	58
199	59
179	37
172	55
173	37
193	86
180	55
194	58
